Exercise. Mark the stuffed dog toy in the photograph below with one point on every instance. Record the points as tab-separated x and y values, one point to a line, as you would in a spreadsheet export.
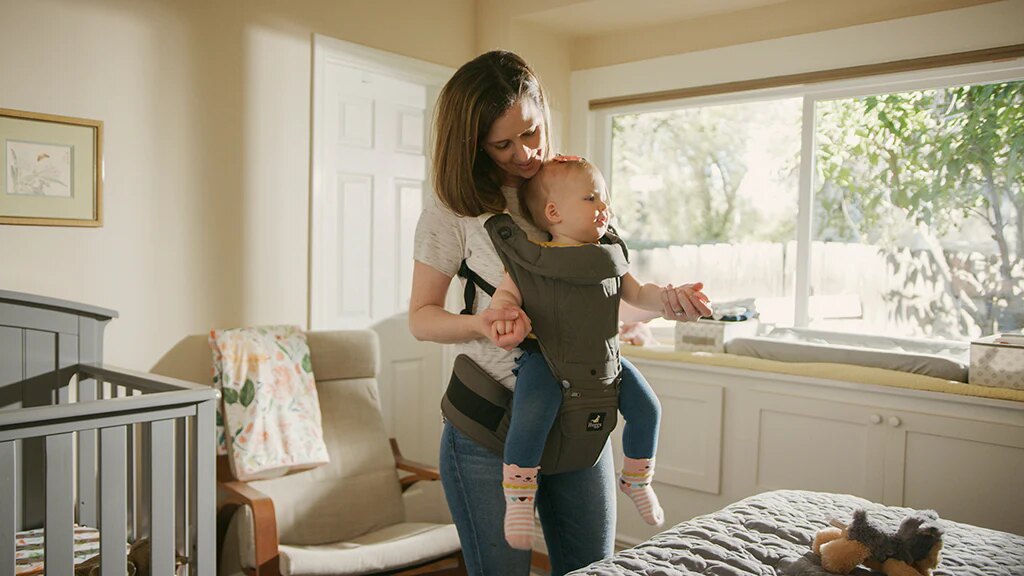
912	551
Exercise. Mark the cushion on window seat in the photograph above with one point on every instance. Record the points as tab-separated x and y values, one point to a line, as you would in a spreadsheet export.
937	358
824	371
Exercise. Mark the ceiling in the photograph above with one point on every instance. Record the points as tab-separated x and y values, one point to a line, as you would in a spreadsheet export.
577	18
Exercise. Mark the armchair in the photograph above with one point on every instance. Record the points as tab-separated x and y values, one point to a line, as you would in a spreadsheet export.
343	518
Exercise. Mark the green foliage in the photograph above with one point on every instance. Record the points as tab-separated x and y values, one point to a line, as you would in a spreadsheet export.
677	176
930	162
248	393
937	155
937	171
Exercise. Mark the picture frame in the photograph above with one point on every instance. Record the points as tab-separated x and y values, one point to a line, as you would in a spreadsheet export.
52	170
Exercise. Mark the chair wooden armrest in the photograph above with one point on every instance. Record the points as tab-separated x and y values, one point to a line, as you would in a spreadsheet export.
418	471
233	494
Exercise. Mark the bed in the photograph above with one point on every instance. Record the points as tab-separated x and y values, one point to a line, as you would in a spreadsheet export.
98	465
764	534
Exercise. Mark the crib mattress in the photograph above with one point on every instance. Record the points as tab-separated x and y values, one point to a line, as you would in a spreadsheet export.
766	534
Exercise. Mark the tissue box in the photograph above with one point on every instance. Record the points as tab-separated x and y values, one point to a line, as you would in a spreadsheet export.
997	361
711	335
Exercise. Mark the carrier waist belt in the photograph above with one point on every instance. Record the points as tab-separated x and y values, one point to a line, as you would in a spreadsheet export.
466	401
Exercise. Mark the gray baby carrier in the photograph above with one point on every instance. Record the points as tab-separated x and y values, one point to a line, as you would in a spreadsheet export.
571	295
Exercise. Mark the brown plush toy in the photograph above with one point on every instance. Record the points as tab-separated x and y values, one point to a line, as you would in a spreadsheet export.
912	551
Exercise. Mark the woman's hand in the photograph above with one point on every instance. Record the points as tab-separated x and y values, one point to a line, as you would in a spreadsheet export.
505	327
685	303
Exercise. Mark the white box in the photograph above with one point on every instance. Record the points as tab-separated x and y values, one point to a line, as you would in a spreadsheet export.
995	361
711	335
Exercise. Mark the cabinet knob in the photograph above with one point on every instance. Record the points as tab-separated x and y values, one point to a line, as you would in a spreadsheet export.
876	419
894	421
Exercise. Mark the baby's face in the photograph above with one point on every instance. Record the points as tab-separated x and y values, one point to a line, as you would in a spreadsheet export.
582	201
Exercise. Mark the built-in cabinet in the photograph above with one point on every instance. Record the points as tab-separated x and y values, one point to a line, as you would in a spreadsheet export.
962	456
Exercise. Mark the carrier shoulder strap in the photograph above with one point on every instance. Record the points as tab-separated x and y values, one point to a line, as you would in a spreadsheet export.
473	281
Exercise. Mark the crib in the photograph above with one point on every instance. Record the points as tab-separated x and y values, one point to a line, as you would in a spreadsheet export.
83	444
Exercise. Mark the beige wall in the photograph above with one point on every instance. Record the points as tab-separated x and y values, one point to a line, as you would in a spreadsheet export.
789	18
545	50
206	112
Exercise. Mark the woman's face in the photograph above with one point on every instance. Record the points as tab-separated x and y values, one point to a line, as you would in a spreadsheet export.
515	141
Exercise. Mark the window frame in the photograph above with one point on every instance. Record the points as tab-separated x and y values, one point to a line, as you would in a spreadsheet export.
934	78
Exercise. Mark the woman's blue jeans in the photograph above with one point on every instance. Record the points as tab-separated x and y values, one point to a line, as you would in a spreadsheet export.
577	510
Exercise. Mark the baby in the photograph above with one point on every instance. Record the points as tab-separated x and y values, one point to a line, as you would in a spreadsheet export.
568	200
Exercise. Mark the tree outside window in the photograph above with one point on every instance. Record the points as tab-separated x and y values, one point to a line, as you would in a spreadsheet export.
932	180
918	206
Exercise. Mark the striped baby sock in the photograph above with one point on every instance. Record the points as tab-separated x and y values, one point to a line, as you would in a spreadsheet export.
635	481
520	485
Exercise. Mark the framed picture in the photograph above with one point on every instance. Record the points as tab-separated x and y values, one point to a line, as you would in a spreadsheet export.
52	170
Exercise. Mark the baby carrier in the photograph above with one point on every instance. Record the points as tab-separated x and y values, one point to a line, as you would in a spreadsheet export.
571	295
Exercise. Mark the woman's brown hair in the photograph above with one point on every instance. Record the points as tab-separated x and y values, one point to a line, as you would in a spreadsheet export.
466	180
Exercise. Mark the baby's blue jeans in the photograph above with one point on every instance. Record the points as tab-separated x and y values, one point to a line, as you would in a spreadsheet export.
538	396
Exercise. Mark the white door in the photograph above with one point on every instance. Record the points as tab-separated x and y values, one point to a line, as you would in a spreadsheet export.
372	171
370	176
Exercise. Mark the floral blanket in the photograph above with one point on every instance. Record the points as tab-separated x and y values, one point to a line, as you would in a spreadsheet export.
269	424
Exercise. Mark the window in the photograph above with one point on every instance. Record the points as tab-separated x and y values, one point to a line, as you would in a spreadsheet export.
911	219
712	191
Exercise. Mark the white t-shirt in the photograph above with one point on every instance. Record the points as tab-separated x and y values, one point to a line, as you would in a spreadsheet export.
443	241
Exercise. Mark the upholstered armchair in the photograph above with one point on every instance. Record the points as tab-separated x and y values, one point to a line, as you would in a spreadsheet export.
345	517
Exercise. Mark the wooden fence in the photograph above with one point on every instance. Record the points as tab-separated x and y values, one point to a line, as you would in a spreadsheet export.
856	287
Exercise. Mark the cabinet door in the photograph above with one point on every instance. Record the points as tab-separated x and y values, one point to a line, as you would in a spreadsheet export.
690	438
809	444
967	470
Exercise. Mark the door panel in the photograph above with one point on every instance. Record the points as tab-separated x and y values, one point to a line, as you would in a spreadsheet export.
372	165
808	444
690	440
968	471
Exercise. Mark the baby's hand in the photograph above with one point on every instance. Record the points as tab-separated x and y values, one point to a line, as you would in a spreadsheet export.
510	333
508	326
686	303
503	327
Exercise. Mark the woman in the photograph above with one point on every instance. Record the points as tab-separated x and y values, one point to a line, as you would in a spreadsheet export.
492	135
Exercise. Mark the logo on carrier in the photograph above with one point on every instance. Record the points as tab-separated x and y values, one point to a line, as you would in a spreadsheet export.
595	422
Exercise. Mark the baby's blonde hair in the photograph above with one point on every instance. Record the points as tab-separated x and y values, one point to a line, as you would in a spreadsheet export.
536	193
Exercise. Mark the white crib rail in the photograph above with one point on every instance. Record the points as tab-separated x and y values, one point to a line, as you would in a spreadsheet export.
170	422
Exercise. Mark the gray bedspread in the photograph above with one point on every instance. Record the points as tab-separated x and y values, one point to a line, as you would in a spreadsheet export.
764	534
